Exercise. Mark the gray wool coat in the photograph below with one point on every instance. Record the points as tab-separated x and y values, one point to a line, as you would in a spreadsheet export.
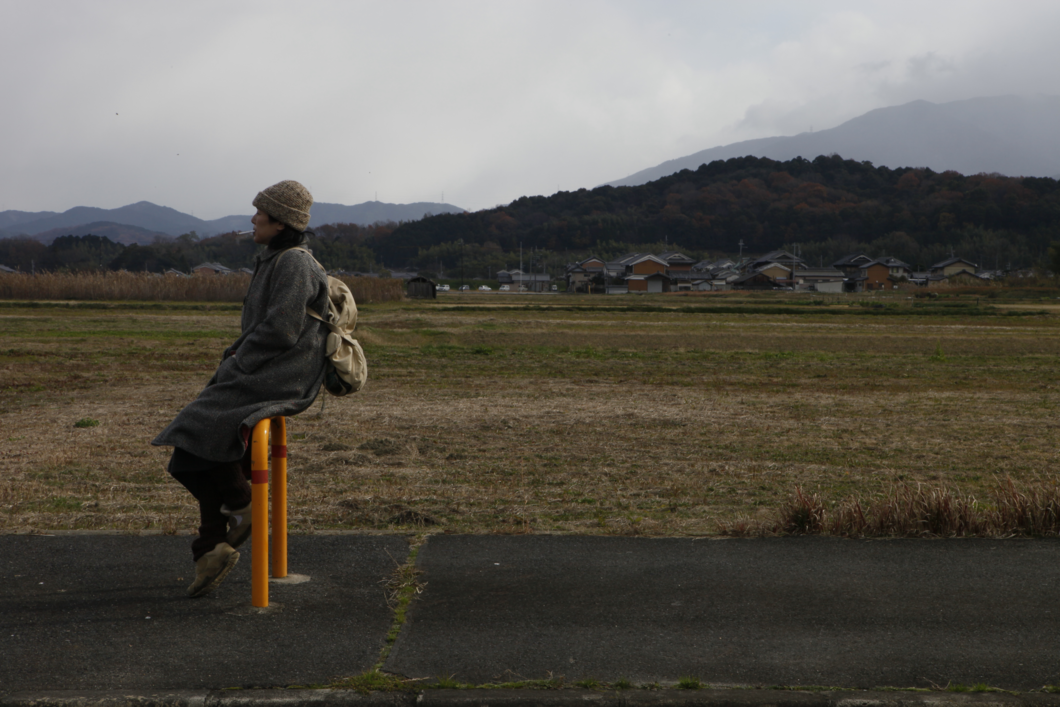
274	368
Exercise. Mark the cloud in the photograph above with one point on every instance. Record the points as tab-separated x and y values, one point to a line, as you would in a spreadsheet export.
929	66
849	62
198	105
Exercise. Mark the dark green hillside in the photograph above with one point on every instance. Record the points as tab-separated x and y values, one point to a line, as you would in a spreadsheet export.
766	204
829	208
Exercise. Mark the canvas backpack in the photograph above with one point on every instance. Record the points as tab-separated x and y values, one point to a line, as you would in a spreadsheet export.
347	369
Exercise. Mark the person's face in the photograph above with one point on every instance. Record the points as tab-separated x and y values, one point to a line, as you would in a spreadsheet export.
264	229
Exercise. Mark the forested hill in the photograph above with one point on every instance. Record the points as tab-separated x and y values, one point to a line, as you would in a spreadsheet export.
765	203
829	208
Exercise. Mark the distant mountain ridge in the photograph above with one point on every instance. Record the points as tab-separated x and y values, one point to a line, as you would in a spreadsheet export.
117	232
377	211
147	220
1010	135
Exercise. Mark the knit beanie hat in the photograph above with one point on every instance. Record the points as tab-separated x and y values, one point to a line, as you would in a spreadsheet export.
288	202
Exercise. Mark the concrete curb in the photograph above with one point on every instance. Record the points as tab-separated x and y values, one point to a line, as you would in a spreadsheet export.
528	698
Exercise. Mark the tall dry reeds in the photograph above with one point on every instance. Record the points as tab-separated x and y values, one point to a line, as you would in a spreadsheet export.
124	286
912	512
908	511
164	288
1035	511
803	514
373	290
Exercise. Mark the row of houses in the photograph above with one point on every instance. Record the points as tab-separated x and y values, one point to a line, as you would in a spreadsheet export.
673	271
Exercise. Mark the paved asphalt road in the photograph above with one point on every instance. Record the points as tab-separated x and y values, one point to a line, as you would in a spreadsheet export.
783	611
786	611
85	612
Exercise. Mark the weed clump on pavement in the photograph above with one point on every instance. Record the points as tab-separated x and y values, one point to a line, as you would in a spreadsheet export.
977	687
374	681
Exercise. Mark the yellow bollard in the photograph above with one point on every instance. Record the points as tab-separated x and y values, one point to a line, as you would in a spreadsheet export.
279	497
259	530
275	430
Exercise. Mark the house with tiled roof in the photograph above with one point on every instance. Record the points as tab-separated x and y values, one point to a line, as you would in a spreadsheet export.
679	268
645	264
896	267
770	277
580	275
211	269
872	276
849	264
879	274
956	271
818	279
651	282
782	257
953	265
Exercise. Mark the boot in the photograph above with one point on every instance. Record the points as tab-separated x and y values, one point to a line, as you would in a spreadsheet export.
211	568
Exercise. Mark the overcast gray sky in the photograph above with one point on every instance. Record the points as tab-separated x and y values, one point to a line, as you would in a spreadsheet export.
198	105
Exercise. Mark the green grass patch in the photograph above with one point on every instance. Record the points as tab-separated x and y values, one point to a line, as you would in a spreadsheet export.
448	683
555	684
374	681
402	588
690	683
62	504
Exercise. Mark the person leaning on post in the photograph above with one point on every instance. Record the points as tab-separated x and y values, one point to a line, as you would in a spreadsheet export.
275	368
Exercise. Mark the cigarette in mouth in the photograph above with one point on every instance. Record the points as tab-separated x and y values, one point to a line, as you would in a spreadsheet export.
244	233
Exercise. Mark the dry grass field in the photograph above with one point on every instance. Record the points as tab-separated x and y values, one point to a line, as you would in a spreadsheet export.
659	415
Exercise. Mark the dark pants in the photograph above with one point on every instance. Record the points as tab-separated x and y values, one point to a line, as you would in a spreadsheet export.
212	485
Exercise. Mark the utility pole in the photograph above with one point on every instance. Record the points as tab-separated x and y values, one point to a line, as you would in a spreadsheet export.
460	242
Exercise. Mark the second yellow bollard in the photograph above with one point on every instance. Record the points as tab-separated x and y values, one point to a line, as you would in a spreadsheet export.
279	497
259	531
